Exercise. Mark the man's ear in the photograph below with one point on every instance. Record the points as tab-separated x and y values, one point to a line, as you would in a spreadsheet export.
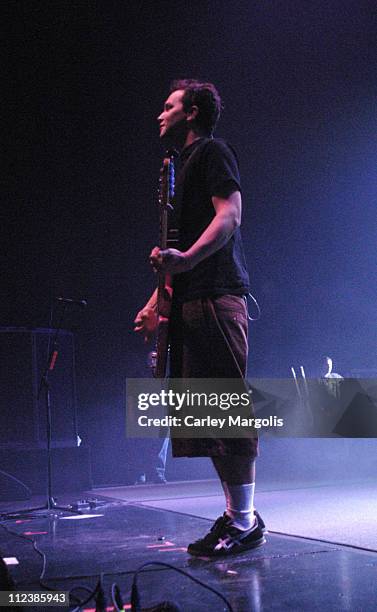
193	113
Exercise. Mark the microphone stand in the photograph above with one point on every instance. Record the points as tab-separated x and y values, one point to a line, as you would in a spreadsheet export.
50	507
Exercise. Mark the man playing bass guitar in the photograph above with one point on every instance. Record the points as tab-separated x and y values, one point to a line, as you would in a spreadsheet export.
208	322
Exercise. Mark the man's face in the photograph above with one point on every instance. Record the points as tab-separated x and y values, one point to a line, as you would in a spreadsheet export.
173	118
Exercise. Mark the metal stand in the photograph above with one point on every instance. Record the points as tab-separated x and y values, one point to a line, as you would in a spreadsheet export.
50	508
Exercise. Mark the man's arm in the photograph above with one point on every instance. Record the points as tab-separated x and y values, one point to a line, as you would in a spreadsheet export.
219	231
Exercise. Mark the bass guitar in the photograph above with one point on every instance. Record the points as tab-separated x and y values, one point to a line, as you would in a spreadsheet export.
159	357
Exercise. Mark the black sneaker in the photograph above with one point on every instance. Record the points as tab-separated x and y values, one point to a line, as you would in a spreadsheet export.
225	539
141	479
159	479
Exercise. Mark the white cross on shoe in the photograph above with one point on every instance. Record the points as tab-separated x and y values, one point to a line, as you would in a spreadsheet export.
226	543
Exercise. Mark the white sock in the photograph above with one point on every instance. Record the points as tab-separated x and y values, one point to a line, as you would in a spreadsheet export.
240	504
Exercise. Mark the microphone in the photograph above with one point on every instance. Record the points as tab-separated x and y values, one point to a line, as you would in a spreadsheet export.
82	303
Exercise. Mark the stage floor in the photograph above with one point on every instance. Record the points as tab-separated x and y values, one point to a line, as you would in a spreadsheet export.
341	513
142	524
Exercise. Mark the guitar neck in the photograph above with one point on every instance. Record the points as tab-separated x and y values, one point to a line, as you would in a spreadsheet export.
164	292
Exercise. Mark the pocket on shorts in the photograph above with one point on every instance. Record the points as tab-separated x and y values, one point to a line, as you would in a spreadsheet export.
231	304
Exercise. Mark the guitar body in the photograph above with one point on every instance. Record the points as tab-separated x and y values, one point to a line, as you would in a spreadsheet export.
165	281
162	338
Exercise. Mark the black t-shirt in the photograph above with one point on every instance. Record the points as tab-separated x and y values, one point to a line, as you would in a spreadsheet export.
205	169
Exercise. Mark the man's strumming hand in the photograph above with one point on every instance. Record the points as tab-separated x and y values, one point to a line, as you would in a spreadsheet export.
146	323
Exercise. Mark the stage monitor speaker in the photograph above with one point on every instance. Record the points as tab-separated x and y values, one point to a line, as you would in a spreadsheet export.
23	357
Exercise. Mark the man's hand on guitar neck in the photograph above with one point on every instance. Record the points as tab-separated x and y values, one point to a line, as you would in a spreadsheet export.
170	261
225	222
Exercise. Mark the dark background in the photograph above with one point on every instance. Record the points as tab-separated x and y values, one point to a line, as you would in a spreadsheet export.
85	82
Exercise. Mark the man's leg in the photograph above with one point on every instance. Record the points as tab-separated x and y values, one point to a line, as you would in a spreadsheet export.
240	528
237	476
161	461
236	472
201	347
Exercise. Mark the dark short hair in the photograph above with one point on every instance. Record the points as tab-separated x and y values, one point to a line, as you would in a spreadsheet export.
203	95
